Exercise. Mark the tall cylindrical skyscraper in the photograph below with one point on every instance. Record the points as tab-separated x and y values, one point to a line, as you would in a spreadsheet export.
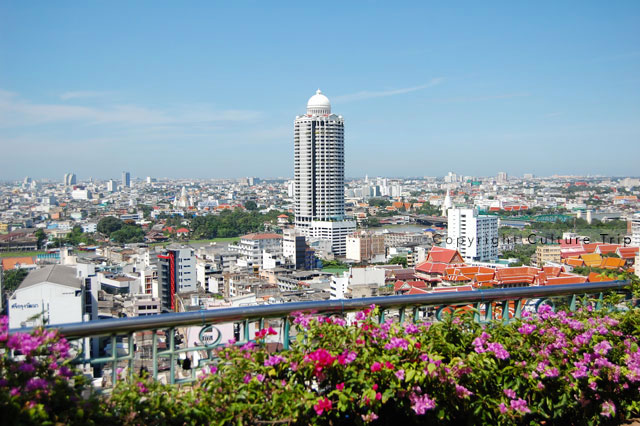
319	174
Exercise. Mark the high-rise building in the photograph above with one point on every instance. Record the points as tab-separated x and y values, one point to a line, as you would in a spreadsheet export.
319	174
503	177
112	185
176	274
473	235
126	180
69	179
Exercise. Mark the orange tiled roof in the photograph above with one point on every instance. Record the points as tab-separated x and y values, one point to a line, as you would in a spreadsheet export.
11	262
592	259
595	277
612	263
574	261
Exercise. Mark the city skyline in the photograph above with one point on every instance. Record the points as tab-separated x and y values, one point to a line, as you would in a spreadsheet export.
209	91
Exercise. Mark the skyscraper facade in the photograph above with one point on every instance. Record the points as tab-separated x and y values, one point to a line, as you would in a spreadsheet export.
319	174
126	180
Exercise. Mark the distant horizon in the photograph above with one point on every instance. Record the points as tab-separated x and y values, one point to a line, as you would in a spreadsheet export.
207	89
135	178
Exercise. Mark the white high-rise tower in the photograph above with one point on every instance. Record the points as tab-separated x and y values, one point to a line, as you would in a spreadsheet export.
319	174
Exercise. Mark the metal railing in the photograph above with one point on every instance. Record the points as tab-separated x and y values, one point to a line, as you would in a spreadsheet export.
489	305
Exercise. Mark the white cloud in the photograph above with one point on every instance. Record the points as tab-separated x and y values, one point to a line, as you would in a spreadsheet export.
82	94
17	112
383	93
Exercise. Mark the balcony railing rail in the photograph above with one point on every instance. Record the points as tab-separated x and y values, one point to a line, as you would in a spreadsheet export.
491	304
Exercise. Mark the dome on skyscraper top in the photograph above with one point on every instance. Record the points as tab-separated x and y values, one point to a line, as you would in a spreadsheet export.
318	104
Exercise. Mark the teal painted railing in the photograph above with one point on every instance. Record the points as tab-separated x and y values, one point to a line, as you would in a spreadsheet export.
489	305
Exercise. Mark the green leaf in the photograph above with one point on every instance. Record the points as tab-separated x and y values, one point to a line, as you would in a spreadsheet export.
409	375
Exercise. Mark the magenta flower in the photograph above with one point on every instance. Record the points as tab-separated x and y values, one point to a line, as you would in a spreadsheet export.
527	328
340	386
510	393
462	392
273	360
420	404
376	366
397	342
400	374
142	388
503	408
602	347
608	409
520	405
347	357
260	377
324	404
411	328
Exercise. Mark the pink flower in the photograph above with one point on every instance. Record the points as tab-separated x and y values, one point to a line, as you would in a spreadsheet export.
273	360
510	393
247	378
260	377
378	396
420	404
347	357
527	328
608	409
376	366
503	408
323	405
400	374
520	405
340	386
141	387
265	332
463	392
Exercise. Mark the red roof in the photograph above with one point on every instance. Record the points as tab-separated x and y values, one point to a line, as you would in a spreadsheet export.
627	252
443	255
431	268
575	279
453	289
265	236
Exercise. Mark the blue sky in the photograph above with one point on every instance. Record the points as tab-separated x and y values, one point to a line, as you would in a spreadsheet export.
211	89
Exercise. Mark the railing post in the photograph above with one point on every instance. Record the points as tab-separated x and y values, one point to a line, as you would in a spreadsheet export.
246	330
130	355
285	333
154	353
172	359
518	310
114	360
505	312
416	314
401	312
572	303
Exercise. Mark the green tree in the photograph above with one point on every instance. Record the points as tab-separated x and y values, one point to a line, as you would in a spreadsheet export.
251	205
41	236
398	260
109	225
12	278
128	234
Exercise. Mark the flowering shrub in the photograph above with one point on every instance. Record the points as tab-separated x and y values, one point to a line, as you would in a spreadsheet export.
38	384
552	368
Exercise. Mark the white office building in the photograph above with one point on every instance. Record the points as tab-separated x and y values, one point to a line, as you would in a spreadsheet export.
319	174
251	246
474	236
635	230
